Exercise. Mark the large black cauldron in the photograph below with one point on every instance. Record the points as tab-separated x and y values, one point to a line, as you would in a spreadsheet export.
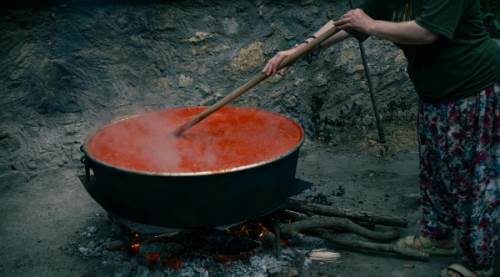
192	200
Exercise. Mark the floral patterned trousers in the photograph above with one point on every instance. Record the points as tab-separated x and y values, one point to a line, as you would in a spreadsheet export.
459	145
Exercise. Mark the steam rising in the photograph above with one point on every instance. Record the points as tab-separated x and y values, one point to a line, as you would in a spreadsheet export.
231	137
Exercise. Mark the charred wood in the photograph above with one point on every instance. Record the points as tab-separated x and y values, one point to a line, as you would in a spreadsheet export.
357	245
337	223
361	216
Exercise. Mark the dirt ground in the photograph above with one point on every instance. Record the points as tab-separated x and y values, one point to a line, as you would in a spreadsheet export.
42	220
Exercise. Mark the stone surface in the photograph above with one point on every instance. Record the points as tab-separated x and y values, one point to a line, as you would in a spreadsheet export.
248	58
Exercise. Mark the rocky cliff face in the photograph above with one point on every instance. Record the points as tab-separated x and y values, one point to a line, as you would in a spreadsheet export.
67	68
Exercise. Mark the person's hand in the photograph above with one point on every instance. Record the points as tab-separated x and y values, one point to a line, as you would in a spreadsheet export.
356	20
273	64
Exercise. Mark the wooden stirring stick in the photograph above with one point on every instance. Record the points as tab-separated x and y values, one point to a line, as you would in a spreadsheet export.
254	81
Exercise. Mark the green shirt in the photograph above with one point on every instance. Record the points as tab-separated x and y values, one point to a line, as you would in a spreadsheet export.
461	63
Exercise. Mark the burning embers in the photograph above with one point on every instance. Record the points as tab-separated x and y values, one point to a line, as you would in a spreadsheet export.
168	248
255	247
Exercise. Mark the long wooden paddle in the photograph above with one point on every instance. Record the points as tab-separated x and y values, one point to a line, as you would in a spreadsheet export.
254	81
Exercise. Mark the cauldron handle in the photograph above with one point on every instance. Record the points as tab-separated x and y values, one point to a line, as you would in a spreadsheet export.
85	162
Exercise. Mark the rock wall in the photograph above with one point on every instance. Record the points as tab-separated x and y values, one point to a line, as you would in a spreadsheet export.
67	68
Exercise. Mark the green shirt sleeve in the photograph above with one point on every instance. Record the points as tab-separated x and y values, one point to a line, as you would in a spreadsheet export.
441	16
375	9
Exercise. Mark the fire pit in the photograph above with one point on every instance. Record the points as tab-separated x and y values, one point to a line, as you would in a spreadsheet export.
236	165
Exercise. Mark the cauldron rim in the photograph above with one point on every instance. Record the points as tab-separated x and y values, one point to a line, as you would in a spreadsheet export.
200	173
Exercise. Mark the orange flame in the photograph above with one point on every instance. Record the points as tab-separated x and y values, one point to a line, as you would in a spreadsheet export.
172	262
134	248
255	230
153	257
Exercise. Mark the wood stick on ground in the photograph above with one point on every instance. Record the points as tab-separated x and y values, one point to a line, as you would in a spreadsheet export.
293	229
301	206
358	245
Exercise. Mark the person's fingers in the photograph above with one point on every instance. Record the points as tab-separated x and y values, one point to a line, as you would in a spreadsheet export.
270	67
351	12
269	70
346	15
279	61
283	71
342	21
345	26
274	65
277	66
266	67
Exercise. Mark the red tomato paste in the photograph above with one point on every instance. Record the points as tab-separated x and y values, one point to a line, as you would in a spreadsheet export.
231	137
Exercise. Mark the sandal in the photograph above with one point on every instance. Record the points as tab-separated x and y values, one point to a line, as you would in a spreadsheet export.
462	271
426	245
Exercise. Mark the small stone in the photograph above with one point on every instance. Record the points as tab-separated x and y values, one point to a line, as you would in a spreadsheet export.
85	251
290	101
185	81
248	57
230	26
91	244
205	88
92	229
202	272
321	80
298	81
32	165
162	84
199	36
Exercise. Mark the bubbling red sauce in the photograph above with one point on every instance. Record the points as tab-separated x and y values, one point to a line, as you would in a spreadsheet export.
231	137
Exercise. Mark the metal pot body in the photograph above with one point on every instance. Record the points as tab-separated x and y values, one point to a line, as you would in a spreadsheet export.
192	201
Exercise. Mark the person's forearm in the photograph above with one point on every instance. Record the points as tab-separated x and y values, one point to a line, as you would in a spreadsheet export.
273	65
402	32
340	36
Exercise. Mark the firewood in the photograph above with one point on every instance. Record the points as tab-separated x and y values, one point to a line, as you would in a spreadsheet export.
323	255
294	228
362	216
358	245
